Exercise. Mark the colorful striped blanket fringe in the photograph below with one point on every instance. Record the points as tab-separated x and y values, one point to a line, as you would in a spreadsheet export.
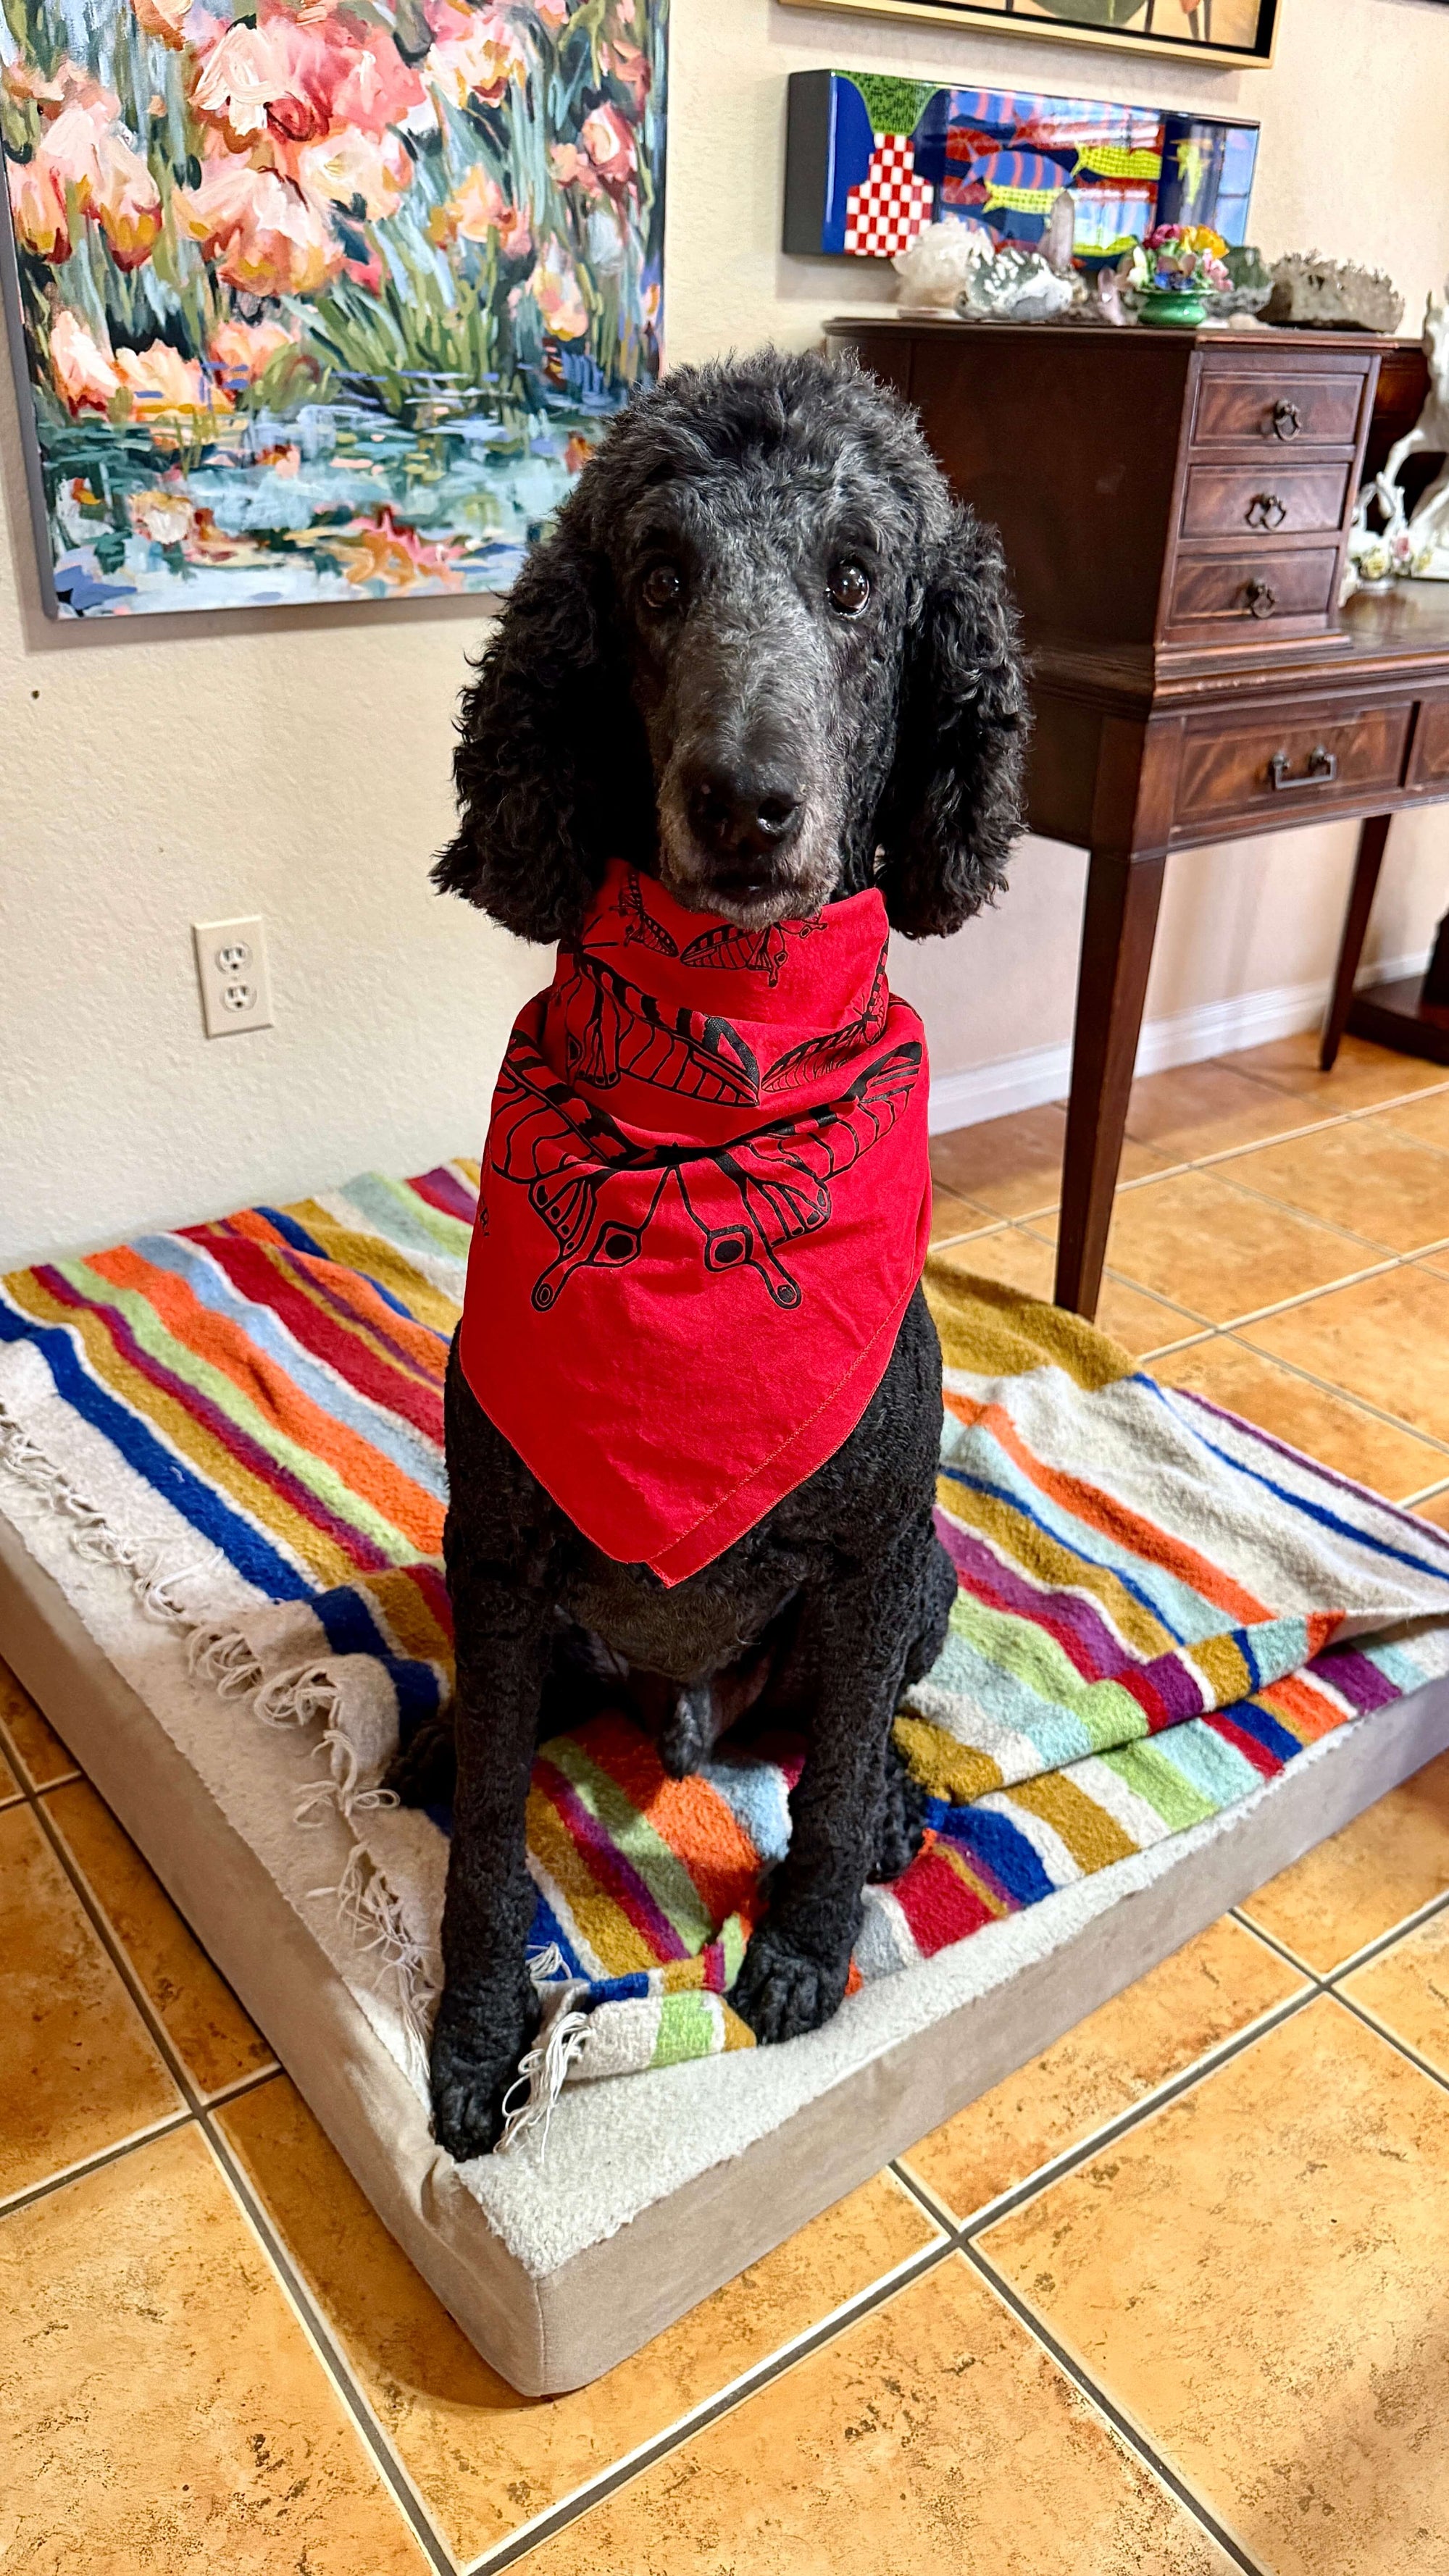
1158	1606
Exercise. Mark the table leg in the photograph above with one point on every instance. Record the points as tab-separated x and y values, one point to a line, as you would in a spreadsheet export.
1370	859
1123	894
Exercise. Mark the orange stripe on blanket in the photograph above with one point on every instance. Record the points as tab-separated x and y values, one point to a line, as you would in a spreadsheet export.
1309	1712
324	1559
701	1830
225	1345
1114	1520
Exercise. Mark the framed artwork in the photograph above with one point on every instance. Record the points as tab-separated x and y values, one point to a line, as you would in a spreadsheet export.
1204	31
317	300
871	159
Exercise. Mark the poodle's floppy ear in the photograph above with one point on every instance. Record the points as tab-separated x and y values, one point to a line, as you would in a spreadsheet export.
952	804
552	769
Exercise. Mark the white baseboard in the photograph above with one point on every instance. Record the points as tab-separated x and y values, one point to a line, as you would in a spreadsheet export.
1214	1028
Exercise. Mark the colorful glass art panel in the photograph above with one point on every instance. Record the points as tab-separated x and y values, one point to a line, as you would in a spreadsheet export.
872	159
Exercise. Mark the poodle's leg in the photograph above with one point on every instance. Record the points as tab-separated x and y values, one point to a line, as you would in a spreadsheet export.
860	1633
938	1592
900	1822
902	1819
488	2010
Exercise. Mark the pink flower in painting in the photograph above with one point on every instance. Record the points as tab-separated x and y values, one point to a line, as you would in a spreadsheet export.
346	165
66	86
554	286
476	208
163	18
367	83
552	14
265	234
572	169
288	81
241	352
159	379
610	146
128	204
82	149
476	54
243	74
80	370
37	203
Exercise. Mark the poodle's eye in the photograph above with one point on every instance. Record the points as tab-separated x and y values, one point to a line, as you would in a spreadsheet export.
848	589
662	586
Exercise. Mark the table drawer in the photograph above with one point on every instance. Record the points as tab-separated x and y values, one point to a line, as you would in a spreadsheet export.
1272	499
1429	766
1278	404
1301	764
1215	594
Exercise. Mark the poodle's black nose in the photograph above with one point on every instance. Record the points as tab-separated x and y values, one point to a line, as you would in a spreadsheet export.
742	815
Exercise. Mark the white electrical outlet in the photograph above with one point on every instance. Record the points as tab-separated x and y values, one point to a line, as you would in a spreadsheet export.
231	966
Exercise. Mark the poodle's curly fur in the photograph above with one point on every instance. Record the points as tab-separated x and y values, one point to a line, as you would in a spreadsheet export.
889	734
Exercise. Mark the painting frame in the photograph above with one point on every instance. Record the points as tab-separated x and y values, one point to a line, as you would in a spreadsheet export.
421	464
1003	18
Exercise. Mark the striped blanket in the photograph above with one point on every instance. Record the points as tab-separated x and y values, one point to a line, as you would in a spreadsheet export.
1158	1606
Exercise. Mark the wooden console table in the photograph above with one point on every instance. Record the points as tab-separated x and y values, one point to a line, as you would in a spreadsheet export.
1174	508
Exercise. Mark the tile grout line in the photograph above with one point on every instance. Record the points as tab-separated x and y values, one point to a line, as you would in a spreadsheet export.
88	2165
1374	1949
1401	2047
1127	2432
1326	1386
1325	1979
1209	1161
318	2335
1161	2098
195	2113
620	2473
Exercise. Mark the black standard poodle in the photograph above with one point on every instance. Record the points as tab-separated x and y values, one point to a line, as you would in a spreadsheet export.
766	659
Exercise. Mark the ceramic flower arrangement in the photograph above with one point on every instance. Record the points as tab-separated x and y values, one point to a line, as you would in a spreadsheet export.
1176	274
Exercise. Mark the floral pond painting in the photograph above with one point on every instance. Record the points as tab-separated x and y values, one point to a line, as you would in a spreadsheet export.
322	300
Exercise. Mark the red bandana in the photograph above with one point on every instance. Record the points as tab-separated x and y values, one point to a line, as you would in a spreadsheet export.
705	1203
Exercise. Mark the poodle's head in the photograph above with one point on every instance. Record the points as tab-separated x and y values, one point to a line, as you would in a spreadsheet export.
764	654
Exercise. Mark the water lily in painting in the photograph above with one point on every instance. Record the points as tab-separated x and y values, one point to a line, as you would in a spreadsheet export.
324	298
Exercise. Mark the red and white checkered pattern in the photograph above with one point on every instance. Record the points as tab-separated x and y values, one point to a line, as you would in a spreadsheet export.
891	205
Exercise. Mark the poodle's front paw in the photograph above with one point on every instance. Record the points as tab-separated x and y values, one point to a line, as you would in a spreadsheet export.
782	1991
477	2043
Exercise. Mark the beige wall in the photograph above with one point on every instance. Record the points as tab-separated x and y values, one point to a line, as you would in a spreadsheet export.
296	764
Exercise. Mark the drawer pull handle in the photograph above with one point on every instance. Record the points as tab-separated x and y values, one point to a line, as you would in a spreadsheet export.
1267	510
1287	419
1260	599
1321	771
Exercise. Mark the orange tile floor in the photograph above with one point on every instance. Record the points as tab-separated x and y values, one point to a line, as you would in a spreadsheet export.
1169	2302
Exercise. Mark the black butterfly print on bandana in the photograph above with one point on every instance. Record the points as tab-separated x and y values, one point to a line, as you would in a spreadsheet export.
757	952
577	1165
611	1028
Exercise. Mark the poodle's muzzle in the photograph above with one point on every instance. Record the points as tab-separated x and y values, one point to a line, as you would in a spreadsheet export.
746	756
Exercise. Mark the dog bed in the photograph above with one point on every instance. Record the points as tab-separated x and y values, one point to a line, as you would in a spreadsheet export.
1180	1655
